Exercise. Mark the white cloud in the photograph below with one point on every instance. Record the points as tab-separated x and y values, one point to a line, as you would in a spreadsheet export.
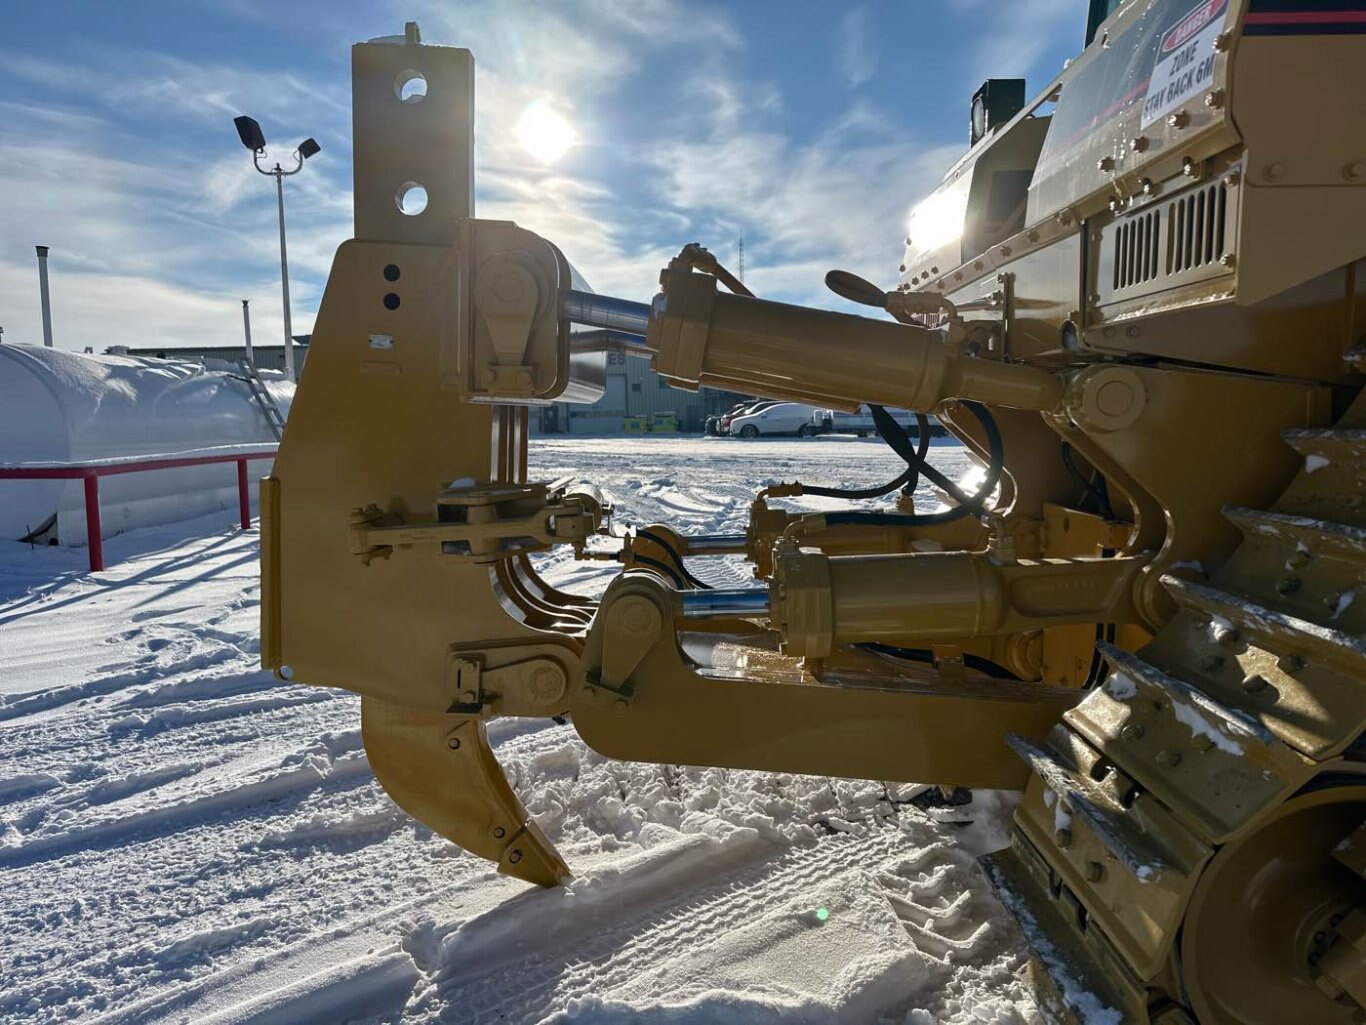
157	234
162	239
855	47
99	310
1015	35
838	200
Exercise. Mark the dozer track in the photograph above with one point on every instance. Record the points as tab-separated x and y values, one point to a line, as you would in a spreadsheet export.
1184	851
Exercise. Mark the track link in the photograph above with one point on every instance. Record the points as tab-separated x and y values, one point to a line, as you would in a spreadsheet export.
1247	701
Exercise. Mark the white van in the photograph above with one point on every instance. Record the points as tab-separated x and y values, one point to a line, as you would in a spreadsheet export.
832	421
779	418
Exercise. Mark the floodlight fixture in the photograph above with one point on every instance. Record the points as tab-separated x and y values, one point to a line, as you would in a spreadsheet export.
255	140
249	131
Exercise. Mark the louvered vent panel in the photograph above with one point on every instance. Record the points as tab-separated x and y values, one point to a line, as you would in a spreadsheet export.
1136	250
1196	234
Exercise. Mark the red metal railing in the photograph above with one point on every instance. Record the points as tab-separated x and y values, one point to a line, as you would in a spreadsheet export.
91	472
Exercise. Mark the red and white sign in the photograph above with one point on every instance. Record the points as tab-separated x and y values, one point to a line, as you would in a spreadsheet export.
1185	60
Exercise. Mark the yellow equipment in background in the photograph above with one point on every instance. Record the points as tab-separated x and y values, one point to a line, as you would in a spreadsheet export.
1137	297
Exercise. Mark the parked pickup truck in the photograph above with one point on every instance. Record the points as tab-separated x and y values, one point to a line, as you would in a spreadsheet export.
832	421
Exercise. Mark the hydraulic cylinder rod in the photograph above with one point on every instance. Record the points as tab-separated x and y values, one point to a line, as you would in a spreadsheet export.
719	604
714	544
604	311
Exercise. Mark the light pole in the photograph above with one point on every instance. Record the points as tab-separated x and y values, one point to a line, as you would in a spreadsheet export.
246	330
255	140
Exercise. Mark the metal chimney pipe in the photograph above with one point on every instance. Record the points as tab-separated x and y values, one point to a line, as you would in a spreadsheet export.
42	291
246	328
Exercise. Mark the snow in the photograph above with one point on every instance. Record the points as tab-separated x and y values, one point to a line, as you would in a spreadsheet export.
182	838
1343	602
1314	463
1202	727
1121	686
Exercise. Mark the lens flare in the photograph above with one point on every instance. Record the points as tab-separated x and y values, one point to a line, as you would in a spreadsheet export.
545	133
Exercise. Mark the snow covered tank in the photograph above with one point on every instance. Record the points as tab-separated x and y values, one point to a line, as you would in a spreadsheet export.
68	407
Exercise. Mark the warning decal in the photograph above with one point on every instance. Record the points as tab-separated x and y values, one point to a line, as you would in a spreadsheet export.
1185	60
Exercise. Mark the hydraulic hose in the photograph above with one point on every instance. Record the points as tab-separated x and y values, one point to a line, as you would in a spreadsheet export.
908	479
966	505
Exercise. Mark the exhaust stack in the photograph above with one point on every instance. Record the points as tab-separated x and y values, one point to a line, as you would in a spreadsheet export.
43	293
246	330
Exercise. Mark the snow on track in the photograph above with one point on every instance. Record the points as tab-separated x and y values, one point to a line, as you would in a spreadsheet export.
183	839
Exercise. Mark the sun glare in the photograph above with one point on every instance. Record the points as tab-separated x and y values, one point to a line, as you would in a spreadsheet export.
545	133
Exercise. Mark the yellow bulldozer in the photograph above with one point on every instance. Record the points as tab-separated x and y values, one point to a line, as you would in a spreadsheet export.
1138	298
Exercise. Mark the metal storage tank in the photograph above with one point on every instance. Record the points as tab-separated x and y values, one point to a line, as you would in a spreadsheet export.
67	407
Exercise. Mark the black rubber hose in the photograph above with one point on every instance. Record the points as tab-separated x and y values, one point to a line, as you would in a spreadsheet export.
925	655
677	559
966	505
664	568
1096	489
908	478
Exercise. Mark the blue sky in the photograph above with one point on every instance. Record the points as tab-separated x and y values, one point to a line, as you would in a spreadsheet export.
809	128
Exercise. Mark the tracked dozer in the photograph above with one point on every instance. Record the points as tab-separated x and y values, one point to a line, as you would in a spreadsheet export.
1138	298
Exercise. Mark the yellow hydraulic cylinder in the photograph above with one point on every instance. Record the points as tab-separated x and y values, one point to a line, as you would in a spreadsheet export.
705	337
818	601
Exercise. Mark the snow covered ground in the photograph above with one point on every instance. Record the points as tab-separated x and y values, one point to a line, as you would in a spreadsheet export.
182	839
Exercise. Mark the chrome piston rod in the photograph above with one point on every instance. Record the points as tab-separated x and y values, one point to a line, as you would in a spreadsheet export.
714	544
745	602
606	312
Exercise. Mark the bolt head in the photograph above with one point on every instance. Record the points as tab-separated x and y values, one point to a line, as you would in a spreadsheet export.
1180	119
1287	585
1132	731
1214	99
515	857
1063	837
453	743
1168	759
1105	164
1274	171
1289	663
1356	169
1253	682
499	832
1138	143
1228	259
1095	871
1226	635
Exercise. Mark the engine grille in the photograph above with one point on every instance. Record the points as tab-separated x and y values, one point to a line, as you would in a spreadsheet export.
1170	243
1196	235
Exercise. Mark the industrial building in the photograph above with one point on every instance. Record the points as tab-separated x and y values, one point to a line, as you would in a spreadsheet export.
635	398
266	357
